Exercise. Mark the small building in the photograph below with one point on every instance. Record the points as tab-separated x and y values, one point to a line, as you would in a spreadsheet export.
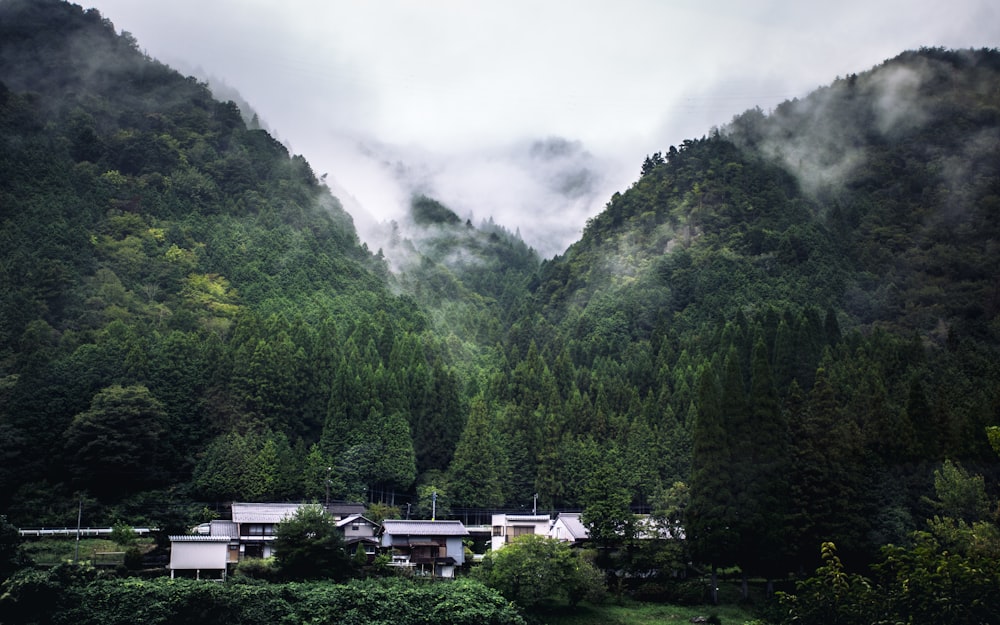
506	527
431	547
358	530
203	557
255	526
340	510
569	528
250	534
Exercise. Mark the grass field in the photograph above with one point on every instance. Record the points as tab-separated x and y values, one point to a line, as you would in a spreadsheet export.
636	613
52	551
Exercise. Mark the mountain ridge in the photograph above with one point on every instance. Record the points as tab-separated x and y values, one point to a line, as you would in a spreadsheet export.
812	291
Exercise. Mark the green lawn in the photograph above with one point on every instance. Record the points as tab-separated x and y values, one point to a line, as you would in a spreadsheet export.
636	613
52	551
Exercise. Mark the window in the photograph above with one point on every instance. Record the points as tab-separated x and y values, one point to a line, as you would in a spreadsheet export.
257	529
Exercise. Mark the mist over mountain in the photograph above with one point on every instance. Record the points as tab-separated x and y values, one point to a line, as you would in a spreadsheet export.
787	325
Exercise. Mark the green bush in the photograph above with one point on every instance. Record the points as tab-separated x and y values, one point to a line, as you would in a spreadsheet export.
79	596
257	568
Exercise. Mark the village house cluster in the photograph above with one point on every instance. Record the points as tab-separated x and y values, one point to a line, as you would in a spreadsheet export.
430	547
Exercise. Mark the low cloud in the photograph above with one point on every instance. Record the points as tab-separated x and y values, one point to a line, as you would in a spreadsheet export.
545	188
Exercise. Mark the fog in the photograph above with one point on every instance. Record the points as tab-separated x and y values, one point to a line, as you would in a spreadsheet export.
532	113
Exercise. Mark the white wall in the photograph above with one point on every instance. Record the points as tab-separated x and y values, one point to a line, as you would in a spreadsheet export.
198	554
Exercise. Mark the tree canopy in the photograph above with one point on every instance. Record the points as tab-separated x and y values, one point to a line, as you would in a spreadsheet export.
308	545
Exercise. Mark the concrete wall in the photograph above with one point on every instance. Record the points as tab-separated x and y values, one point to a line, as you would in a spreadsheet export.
198	555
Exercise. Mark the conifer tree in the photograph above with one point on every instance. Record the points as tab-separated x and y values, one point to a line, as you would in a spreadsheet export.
711	520
480	465
767	491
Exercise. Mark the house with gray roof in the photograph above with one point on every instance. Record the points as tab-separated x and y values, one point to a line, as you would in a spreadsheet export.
430	547
359	530
219	544
507	527
255	524
569	528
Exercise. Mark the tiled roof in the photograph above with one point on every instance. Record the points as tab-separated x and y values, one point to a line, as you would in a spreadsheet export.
343	509
424	528
571	522
263	512
199	539
224	528
527	518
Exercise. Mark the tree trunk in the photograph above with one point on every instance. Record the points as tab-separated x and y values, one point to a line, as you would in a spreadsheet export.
715	586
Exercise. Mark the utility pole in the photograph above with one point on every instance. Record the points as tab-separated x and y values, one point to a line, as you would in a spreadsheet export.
328	469
79	517
534	504
434	505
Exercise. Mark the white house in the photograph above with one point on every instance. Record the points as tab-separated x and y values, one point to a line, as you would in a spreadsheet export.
506	527
569	528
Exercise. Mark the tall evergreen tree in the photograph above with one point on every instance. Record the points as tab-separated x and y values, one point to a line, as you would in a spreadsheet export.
479	468
711	515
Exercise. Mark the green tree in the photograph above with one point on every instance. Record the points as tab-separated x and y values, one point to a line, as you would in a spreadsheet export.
123	534
711	520
833	596
534	569
960	496
606	500
478	469
115	446
308	545
432	502
765	507
949	575
12	555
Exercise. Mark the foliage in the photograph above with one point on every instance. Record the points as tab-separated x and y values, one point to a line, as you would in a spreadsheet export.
12	554
258	568
378	512
960	495
51	597
794	315
123	534
308	545
534	569
117	442
949	575
631	612
834	596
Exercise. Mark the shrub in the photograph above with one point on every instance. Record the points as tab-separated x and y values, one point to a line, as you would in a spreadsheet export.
257	568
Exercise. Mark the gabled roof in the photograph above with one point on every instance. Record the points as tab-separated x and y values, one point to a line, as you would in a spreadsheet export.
224	528
263	512
570	522
424	528
355	518
343	508
525	518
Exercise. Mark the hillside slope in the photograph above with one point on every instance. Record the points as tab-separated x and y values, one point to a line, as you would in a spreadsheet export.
774	336
170	276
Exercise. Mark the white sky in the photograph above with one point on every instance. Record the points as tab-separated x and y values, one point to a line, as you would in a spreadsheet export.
448	96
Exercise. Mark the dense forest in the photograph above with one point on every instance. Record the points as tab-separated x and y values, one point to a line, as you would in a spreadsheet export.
778	335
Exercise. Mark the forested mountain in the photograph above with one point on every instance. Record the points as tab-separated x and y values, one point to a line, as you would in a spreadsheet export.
778	332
